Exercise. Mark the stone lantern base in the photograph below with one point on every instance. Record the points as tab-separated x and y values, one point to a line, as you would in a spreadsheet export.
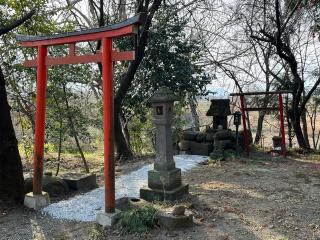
149	194
164	185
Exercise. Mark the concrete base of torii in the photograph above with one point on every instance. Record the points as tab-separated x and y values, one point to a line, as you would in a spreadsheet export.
108	219
38	201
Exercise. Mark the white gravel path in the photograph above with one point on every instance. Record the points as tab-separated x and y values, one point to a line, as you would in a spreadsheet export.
85	207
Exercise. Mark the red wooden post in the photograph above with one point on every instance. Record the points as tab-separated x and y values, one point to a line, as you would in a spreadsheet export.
283	136
244	120
108	113
40	120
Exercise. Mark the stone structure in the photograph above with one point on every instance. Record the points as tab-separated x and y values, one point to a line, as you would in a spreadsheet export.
36	201
219	110
164	182
216	139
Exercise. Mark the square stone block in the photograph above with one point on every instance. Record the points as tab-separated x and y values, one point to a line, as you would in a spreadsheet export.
167	180
172	222
81	181
149	194
36	201
108	219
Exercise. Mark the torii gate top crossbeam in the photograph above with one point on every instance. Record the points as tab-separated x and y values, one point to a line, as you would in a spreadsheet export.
125	28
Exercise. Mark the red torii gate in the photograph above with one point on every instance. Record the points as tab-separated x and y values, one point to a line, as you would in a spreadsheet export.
105	34
244	109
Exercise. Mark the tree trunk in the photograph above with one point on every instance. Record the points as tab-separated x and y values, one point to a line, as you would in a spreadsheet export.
11	174
195	116
298	131
305	128
259	127
125	129
59	148
74	131
288	116
123	150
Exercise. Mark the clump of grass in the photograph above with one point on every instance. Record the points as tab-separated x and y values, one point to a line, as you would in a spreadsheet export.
300	175
138	220
95	233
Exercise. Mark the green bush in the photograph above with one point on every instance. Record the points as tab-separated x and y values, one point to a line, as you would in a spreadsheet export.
138	220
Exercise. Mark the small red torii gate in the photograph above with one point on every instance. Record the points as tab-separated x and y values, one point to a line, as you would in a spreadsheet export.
107	56
244	109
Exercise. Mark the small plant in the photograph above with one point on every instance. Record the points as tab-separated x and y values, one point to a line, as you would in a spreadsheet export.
300	175
138	220
95	233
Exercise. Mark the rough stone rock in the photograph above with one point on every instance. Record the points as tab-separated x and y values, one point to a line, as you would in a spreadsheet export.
210	137
224	144
203	149
224	135
184	145
178	210
189	135
54	186
211	130
201	137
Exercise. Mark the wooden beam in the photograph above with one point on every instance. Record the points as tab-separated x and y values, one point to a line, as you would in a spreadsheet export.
123	56
121	32
260	109
88	58
259	93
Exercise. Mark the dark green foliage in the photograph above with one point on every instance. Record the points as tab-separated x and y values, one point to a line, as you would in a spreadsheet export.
138	220
170	60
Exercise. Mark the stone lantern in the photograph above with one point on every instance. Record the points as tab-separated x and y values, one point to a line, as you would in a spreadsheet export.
164	181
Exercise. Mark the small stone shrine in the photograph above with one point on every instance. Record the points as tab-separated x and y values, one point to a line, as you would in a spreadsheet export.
216	138
219	110
164	181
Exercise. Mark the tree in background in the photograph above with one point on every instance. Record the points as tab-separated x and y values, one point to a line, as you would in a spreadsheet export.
171	60
11	175
281	28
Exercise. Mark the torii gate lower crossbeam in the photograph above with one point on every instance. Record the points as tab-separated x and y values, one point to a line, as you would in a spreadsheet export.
106	57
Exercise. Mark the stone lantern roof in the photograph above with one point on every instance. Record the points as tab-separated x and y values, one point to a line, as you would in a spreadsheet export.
164	94
219	107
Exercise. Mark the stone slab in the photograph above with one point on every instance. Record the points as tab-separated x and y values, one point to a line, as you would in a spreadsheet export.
81	182
108	219
149	194
36	202
167	180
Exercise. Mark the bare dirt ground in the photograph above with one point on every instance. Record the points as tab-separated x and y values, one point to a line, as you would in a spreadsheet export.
248	198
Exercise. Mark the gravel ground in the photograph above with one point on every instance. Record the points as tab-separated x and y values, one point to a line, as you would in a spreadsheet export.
256	198
85	207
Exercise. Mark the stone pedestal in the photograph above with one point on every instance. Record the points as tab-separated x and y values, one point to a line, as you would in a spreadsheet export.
36	201
164	182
